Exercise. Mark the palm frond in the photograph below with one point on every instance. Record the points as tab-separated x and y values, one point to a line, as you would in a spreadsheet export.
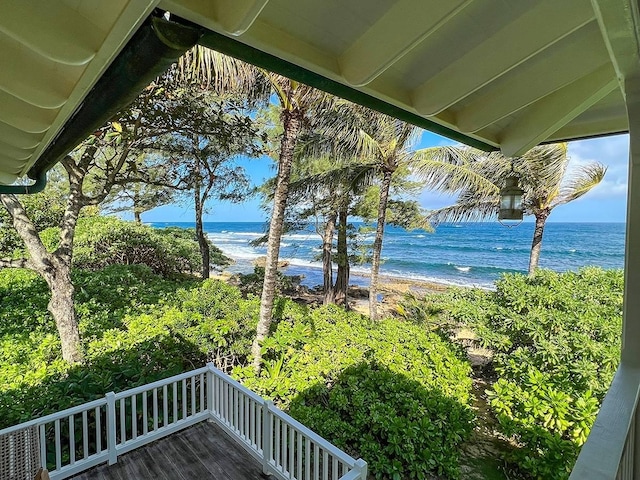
351	176
452	169
470	211
580	182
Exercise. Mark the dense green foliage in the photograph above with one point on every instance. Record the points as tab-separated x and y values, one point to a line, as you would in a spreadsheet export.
102	241
398	396
387	391
556	339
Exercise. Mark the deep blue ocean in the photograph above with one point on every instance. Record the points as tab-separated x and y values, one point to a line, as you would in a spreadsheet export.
459	254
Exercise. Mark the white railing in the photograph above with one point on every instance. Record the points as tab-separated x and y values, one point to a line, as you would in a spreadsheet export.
610	451
98	432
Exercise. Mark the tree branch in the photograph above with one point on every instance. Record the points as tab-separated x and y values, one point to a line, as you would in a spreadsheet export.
15	263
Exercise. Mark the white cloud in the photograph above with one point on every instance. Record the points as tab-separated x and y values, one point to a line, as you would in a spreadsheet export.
612	152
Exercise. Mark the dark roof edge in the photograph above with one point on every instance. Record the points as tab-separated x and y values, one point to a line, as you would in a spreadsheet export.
241	51
153	48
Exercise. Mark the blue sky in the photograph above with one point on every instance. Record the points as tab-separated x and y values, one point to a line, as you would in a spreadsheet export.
605	203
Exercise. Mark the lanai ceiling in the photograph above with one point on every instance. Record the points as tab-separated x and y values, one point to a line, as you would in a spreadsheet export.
493	73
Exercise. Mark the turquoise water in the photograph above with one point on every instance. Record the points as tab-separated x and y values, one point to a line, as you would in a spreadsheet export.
459	254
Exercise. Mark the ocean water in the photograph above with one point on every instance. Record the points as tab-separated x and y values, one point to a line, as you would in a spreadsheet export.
467	254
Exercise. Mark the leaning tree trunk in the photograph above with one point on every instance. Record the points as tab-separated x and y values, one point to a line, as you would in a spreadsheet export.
136	216
377	243
54	268
202	239
327	266
342	259
61	307
536	244
291	122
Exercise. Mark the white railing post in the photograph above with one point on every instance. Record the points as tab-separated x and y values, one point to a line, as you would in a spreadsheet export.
361	468
111	427
267	435
210	379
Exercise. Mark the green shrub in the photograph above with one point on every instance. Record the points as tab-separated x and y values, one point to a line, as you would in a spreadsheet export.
556	339
103	241
315	356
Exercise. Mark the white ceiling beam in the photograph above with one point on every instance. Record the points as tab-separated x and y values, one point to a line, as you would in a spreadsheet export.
546	23
235	17
581	56
406	25
19	139
25	116
15	152
617	21
59	34
553	112
126	23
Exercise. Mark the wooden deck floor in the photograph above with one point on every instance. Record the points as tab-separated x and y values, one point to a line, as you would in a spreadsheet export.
199	452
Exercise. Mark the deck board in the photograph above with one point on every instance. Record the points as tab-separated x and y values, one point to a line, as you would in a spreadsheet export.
201	451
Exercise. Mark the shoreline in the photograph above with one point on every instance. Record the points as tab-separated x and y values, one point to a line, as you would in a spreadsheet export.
391	290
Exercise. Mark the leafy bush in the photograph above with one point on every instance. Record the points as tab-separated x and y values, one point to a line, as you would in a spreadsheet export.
33	376
556	339
103	241
363	386
251	283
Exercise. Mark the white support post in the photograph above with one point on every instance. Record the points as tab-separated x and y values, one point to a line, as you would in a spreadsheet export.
210	380
361	468
111	427
631	310
267	435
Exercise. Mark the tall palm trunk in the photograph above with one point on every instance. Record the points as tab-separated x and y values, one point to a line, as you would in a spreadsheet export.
377	243
292	123
202	239
327	266
536	244
342	276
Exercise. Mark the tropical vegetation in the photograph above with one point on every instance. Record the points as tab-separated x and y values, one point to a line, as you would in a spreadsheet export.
555	339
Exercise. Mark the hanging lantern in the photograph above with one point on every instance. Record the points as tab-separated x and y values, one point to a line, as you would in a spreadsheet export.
511	200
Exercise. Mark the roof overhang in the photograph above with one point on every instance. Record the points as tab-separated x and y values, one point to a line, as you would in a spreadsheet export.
488	73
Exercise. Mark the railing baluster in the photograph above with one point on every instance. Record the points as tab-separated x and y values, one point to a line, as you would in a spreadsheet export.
175	402
57	444
316	461
43	446
193	396
261	414
72	439
123	427
98	411
111	427
165	406
276	449
155	409
145	414
134	418
334	475
241	429
299	469
202	388
307	461
85	435
325	465
184	398
292	450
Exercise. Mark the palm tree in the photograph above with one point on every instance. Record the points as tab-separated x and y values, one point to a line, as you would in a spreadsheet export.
542	173
329	186
296	102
